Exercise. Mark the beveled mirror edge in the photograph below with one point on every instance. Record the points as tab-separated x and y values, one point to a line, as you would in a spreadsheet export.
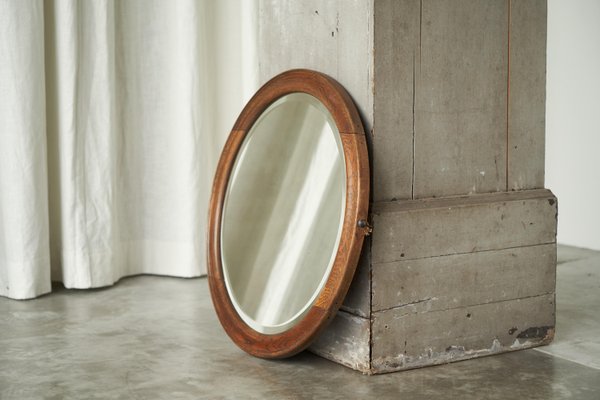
338	102
328	118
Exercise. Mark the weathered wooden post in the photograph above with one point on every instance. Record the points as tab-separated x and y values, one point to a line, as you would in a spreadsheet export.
462	259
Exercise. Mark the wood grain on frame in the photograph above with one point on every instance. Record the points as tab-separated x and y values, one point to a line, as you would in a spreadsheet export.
345	115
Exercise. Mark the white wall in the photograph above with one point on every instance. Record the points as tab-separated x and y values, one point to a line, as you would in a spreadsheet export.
573	119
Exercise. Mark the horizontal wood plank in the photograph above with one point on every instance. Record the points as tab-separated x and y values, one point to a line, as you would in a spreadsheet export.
428	228
404	339
438	283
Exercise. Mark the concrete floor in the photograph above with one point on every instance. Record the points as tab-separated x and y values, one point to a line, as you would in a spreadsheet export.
158	338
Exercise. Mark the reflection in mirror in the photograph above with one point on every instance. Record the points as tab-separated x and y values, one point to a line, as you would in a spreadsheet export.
283	213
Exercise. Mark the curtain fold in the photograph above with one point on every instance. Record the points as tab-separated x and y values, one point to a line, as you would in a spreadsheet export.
113	116
23	178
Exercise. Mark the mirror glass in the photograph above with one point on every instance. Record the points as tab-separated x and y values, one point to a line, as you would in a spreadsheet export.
283	213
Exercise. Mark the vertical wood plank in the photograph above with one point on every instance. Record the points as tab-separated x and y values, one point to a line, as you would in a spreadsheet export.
460	113
396	39
527	94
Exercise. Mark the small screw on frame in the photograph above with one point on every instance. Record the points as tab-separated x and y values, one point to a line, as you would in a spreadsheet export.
364	224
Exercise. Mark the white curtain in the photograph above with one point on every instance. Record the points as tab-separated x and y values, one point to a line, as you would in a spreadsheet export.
112	118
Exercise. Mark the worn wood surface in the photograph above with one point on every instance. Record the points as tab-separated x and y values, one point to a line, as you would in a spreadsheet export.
438	283
460	101
431	80
358	299
419	229
403	338
527	94
396	40
333	37
346	341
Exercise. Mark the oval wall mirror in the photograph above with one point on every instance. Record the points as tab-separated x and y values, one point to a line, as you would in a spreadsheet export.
288	213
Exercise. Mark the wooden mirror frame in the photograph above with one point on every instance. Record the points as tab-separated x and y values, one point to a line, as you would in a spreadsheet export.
354	227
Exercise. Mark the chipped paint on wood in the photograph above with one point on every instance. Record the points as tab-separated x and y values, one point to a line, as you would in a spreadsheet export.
405	338
401	362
